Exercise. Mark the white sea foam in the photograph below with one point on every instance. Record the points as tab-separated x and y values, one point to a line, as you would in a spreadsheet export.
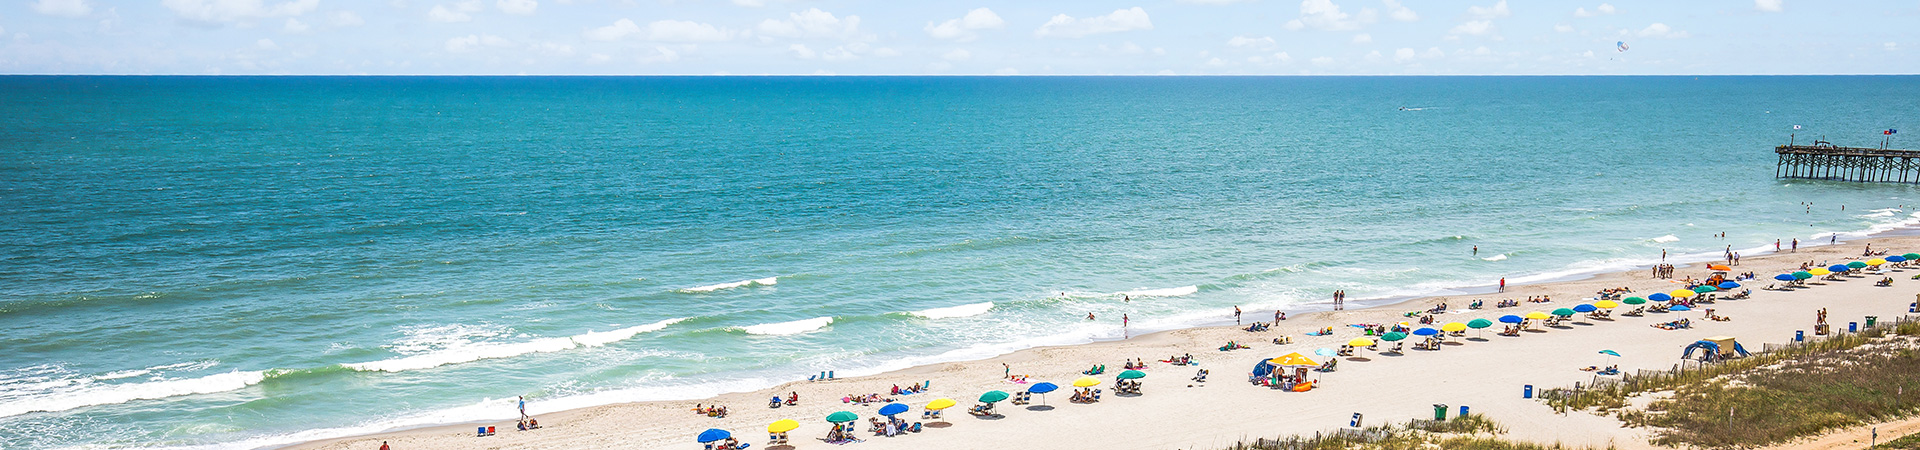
786	328
463	352
1665	239
1499	257
768	281
1162	292
108	394
955	311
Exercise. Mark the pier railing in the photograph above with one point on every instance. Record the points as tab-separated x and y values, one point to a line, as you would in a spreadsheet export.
1830	162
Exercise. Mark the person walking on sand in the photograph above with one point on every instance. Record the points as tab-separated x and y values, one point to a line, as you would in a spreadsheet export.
1503	284
1008	369
523	407
1776	245
1236	314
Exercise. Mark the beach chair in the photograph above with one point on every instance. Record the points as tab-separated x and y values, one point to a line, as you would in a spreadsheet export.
482	432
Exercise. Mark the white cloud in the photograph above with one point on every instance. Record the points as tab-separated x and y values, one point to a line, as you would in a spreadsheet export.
801	51
1433	53
1498	10
1474	28
345	19
1404	55
958	54
963	29
1283	57
662	31
1892	46
266	44
885	52
660	55
1375	56
840	53
1768	5
227	11
1659	30
1321	61
1324	15
1400	12
1362	38
1482	51
1603	9
1006	71
1259	43
443	14
473	42
812	23
750	3
599	58
517	7
63	8
1563	28
1120	20
295	26
555	48
1216	62
1212	2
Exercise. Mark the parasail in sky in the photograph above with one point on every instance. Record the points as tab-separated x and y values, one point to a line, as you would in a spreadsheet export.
1621	45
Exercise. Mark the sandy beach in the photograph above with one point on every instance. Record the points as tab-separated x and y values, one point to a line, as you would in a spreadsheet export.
1486	375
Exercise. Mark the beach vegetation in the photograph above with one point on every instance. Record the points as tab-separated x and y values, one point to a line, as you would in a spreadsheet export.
1466	432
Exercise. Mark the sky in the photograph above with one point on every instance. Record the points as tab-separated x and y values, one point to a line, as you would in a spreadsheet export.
967	37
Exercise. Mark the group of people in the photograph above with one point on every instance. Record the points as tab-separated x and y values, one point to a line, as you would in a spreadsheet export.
793	399
1134	363
865	399
1085	395
1674	325
714	411
1614	293
909	390
893	426
1179	360
1663	271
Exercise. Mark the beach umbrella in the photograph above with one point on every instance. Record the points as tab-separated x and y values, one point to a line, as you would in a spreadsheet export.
1896	258
1610	304
1802	275
1325	352
1042	388
939	404
1911	256
1679	308
1293	359
1839	268
1634	301
1453	326
844	417
1393	336
1662	296
1819	271
1681	293
1360	342
1729	285
892	408
1131	375
714	434
1718	268
1876	262
1563	312
1583	307
1536	315
1781	277
1857	265
993	396
785	425
1425	331
1510	318
1086	382
1705	289
1479	323
1609	353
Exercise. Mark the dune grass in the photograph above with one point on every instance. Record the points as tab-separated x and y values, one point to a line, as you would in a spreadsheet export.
1468	432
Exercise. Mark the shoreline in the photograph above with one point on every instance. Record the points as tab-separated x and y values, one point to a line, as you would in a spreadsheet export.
747	406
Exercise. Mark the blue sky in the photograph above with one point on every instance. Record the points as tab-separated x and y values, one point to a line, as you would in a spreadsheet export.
972	37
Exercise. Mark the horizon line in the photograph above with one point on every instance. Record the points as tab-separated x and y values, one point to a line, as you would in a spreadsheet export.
798	75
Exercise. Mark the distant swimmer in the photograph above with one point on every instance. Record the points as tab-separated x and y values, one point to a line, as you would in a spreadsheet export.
1403	108
1089	316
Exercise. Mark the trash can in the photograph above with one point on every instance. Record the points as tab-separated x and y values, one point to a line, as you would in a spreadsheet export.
1440	411
1528	393
1799	335
1872	320
1853	327
1463	411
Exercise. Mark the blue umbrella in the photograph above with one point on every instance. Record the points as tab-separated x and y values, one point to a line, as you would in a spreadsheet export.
714	434
1609	352
1325	352
1788	277
1662	296
1585	308
1426	331
1835	268
1511	318
1896	258
1043	387
1679	308
892	408
1729	285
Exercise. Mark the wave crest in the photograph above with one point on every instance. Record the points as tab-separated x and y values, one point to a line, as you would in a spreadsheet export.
470	353
788	328
109	394
1162	292
768	281
955	311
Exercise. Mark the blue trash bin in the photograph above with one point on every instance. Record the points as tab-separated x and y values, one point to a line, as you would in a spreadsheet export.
1799	335
1528	393
1853	327
1463	410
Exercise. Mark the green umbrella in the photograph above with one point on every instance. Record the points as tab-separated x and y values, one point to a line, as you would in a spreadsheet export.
1911	256
1563	312
993	396
1132	375
1856	265
1706	289
843	417
1479	323
1634	301
1393	336
1802	275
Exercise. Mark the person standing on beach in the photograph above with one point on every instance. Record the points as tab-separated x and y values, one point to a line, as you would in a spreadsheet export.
1476	250
1008	369
1503	284
1236	314
1776	245
1663	254
1124	320
1796	244
1834	239
523	407
383	446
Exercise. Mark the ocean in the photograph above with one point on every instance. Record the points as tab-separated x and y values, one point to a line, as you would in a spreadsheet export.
244	262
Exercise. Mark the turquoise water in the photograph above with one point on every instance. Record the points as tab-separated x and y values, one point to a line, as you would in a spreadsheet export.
245	262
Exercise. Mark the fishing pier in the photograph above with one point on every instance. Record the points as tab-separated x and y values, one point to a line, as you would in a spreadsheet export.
1824	161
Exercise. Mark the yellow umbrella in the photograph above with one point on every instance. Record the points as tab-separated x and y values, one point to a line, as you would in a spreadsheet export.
1876	262
1820	271
1360	342
1536	315
1293	359
1086	382
1606	304
1681	293
782	426
939	404
1453	326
